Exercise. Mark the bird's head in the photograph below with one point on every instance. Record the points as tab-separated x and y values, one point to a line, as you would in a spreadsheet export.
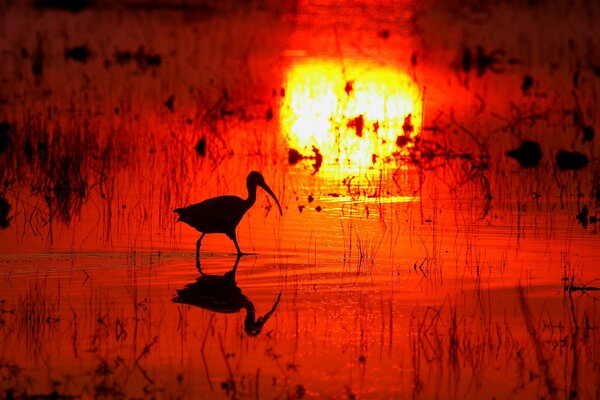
254	179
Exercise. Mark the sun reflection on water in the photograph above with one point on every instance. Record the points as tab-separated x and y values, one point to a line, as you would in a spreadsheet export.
354	115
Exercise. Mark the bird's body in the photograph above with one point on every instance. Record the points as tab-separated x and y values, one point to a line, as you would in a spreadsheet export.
223	214
215	215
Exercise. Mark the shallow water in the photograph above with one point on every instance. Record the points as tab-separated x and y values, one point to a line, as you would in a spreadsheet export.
413	257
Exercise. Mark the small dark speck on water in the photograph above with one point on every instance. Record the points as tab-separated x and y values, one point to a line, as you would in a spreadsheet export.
527	84
318	208
588	133
528	154
67	5
201	146
170	103
269	114
401	141
301	208
408	127
318	160
582	217
294	157
4	210
384	34
79	53
4	136
571	160
349	87
358	124
310	198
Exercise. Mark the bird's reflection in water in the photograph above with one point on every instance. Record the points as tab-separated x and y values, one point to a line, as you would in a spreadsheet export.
220	293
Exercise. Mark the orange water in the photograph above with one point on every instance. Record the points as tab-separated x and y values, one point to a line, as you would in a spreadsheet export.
427	266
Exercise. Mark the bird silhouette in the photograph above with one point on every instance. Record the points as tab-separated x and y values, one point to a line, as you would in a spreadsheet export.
221	294
223	214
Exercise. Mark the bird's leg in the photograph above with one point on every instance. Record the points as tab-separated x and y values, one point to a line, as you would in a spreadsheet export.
234	238
237	261
198	243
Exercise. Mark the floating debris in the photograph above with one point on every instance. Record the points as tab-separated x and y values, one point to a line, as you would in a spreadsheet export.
571	160
358	124
528	154
201	146
407	127
66	5
584	217
80	54
527	84
37	60
318	160
318	208
588	133
402	141
484	61
349	87
142	59
4	210
294	157
384	34
4	136
170	103
269	114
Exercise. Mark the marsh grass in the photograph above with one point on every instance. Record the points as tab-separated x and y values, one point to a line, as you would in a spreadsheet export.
397	285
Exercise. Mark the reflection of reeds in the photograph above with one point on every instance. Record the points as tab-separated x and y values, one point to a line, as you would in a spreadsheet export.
38	313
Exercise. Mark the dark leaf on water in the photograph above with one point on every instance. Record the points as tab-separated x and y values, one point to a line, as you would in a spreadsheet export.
408	126
201	146
582	217
80	54
294	157
528	154
4	210
571	160
527	84
67	5
588	133
318	160
401	141
170	103
467	60
358	124
348	88
4	136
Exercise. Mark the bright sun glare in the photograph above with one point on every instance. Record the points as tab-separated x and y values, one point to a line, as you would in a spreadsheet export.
356	116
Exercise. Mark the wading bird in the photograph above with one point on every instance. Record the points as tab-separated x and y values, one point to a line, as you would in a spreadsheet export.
223	214
222	294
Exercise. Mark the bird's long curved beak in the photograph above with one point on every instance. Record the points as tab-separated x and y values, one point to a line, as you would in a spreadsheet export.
268	190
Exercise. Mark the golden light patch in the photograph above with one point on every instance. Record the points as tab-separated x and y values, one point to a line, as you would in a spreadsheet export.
357	116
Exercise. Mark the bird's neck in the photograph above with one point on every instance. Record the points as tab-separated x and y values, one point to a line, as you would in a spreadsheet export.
251	196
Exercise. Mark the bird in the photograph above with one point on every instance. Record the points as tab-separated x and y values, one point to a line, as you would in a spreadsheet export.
223	295
222	214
